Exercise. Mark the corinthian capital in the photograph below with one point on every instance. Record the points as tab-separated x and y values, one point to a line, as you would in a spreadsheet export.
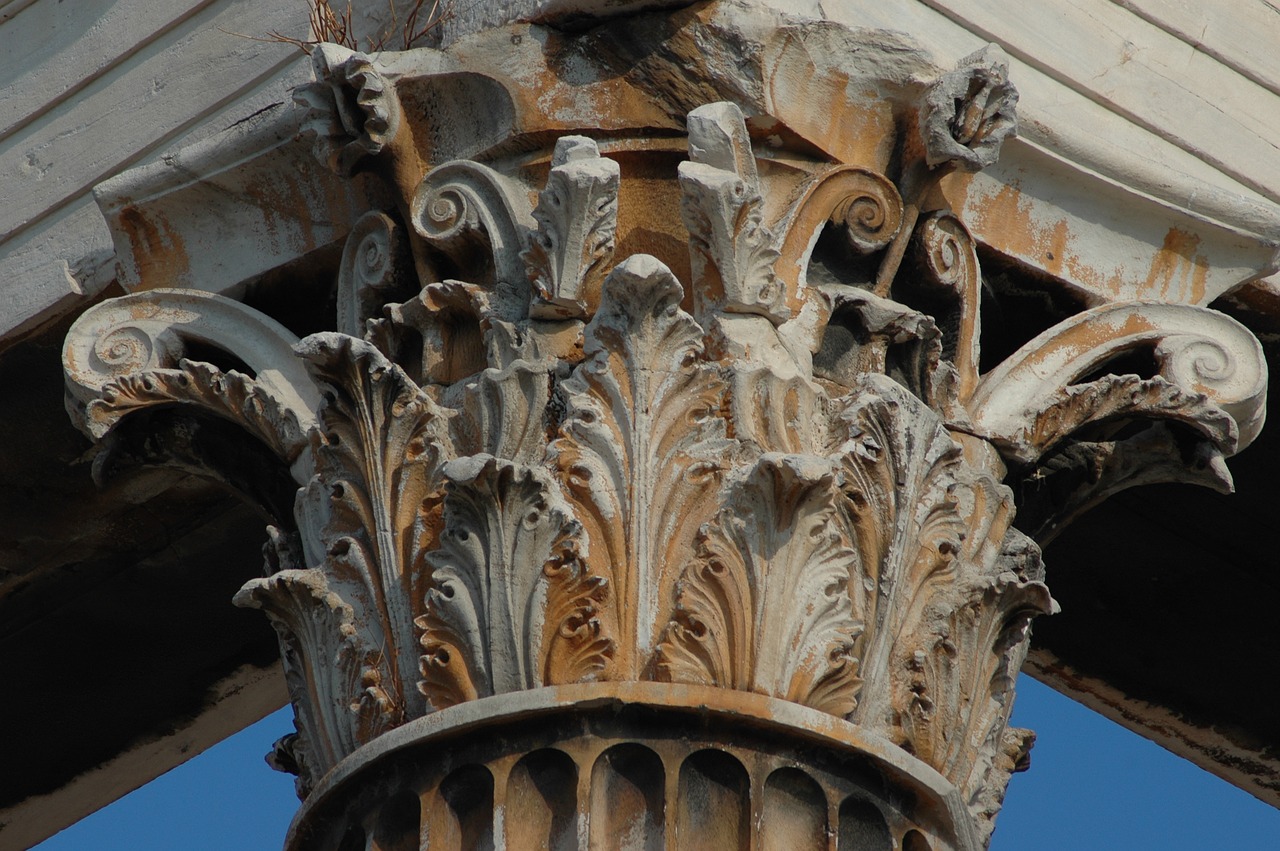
656	444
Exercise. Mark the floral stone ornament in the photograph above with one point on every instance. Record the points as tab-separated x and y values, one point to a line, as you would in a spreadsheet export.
605	483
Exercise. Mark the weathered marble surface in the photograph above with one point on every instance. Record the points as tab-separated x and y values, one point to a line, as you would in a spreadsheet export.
1120	187
644	374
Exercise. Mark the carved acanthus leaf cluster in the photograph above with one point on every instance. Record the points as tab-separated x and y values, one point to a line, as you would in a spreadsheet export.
765	605
231	395
945	600
323	662
641	446
504	412
732	251
511	604
377	460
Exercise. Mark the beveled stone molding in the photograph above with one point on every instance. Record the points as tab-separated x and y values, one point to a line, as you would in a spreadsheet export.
699	777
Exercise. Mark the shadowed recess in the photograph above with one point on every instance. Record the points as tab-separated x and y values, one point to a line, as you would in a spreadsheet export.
795	812
541	807
627	786
715	803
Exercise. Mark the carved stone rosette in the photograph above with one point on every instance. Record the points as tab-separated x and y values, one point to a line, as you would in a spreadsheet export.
610	516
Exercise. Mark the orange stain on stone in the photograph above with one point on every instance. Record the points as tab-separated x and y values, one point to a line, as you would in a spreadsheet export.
1178	272
158	250
1006	222
1056	253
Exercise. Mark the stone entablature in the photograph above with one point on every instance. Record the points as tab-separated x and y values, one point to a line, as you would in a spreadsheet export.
649	372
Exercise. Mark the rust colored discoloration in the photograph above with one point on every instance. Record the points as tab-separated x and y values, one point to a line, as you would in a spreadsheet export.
845	117
866	203
159	252
1056	252
1090	337
1007	222
285	207
1179	270
954	188
649	214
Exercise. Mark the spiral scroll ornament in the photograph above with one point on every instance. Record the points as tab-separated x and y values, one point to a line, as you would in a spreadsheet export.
1205	353
865	204
447	212
126	349
1235	381
372	262
136	344
870	213
461	197
949	252
373	257
464	207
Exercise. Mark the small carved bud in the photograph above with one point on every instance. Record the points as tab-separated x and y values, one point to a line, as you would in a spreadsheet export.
969	112
352	109
577	216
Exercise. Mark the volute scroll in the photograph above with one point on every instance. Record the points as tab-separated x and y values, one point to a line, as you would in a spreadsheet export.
1207	356
129	353
864	203
464	207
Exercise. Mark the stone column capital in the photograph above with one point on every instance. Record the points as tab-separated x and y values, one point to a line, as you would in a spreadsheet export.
656	382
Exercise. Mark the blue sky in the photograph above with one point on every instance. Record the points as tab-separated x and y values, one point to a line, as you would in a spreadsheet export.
1093	786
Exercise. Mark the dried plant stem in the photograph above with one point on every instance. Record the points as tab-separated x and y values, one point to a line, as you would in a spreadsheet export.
334	26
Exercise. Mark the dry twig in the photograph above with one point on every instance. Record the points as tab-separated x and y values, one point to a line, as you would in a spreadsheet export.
335	26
